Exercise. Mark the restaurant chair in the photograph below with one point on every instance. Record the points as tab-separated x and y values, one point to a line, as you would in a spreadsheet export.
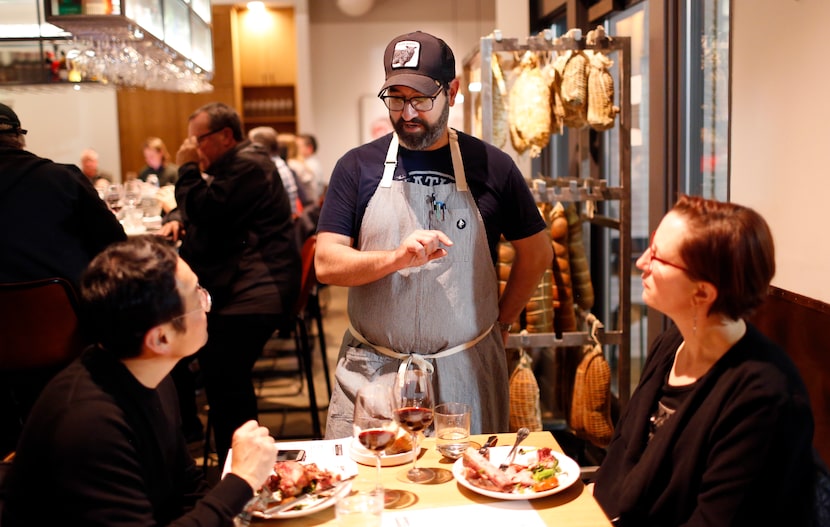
39	335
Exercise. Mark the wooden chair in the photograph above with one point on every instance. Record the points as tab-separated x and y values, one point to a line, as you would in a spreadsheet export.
39	335
306	310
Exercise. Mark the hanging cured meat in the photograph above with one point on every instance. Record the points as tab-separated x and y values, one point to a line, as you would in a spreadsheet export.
529	108
501	128
601	109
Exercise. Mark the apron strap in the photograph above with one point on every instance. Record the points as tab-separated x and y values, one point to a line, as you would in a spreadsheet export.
457	163
383	350
390	163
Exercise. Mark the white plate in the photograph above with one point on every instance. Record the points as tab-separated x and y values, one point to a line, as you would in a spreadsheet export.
311	506
324	454
364	456
568	476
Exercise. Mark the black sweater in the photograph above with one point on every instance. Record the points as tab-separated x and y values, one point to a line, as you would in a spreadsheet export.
101	449
736	453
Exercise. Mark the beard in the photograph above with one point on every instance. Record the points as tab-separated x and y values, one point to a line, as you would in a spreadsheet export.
426	138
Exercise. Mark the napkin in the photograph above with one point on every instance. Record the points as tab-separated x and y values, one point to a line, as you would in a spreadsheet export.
328	454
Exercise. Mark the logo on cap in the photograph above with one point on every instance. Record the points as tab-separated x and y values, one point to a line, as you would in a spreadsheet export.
406	54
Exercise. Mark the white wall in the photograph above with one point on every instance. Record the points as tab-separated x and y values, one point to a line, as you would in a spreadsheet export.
62	122
780	129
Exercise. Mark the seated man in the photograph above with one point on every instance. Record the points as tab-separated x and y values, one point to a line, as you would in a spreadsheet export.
103	445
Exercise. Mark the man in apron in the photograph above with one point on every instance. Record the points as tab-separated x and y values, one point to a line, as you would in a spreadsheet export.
411	224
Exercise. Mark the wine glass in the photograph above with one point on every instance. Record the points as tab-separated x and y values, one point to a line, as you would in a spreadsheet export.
374	420
414	411
114	196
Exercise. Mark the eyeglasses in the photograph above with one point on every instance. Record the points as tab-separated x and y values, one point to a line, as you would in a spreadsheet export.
652	257
200	138
205	303
419	104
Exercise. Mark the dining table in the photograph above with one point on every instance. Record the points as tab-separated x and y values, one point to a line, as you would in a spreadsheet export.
445	501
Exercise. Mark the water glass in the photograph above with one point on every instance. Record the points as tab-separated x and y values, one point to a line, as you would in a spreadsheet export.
360	509
452	429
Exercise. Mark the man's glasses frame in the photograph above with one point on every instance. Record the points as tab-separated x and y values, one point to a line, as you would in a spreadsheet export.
422	103
200	138
205	303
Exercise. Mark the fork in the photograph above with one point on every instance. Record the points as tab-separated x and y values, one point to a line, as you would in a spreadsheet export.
243	519
521	435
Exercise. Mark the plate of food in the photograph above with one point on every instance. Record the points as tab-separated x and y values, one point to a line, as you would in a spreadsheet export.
535	473
398	453
294	481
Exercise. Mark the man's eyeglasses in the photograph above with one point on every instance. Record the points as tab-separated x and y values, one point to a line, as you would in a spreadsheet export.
419	104
200	138
652	250
205	302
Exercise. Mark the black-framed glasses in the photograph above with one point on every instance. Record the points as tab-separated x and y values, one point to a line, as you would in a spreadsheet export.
651	250
200	138
205	302
422	103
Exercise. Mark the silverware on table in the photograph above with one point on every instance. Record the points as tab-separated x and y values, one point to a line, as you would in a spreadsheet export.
521	435
302	498
491	442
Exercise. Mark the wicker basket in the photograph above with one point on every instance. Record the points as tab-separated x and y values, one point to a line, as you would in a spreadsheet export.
525	407
591	404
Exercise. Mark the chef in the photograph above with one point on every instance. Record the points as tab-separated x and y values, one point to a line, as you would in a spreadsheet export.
411	225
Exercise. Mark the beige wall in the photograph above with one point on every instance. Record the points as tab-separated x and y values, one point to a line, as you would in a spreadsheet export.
780	139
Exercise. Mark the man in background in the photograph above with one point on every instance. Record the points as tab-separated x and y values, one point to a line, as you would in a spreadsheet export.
89	166
104	435
239	239
54	224
307	152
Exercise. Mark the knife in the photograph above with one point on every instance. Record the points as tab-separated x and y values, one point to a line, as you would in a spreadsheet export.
302	498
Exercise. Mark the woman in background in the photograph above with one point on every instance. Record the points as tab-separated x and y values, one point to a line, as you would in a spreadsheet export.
719	430
158	162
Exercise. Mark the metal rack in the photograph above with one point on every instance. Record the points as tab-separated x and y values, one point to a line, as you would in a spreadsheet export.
584	190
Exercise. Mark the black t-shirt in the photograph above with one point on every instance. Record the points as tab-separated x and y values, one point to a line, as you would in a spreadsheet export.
498	187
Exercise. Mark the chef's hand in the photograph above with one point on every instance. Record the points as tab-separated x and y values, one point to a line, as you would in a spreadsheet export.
422	246
172	230
253	454
187	152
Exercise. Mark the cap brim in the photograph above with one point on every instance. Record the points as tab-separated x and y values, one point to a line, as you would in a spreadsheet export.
420	83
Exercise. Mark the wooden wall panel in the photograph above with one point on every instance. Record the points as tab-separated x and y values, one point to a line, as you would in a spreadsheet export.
799	325
144	113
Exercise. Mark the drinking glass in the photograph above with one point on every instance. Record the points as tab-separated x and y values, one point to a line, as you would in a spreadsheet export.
374	420
414	411
452	429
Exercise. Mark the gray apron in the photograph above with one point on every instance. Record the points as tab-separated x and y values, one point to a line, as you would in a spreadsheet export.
443	312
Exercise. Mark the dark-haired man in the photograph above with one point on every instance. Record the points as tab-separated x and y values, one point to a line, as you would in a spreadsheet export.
410	224
104	437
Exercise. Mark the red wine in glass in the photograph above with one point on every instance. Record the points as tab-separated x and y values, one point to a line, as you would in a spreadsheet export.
414	419
376	439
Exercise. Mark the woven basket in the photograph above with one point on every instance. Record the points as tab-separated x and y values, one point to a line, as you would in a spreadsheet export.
525	408
591	404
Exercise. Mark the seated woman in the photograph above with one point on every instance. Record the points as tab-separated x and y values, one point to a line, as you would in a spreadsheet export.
719	430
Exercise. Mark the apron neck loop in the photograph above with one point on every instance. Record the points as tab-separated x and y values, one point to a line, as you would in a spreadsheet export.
391	162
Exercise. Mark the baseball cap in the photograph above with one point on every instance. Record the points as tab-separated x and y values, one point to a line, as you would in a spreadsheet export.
419	61
9	123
